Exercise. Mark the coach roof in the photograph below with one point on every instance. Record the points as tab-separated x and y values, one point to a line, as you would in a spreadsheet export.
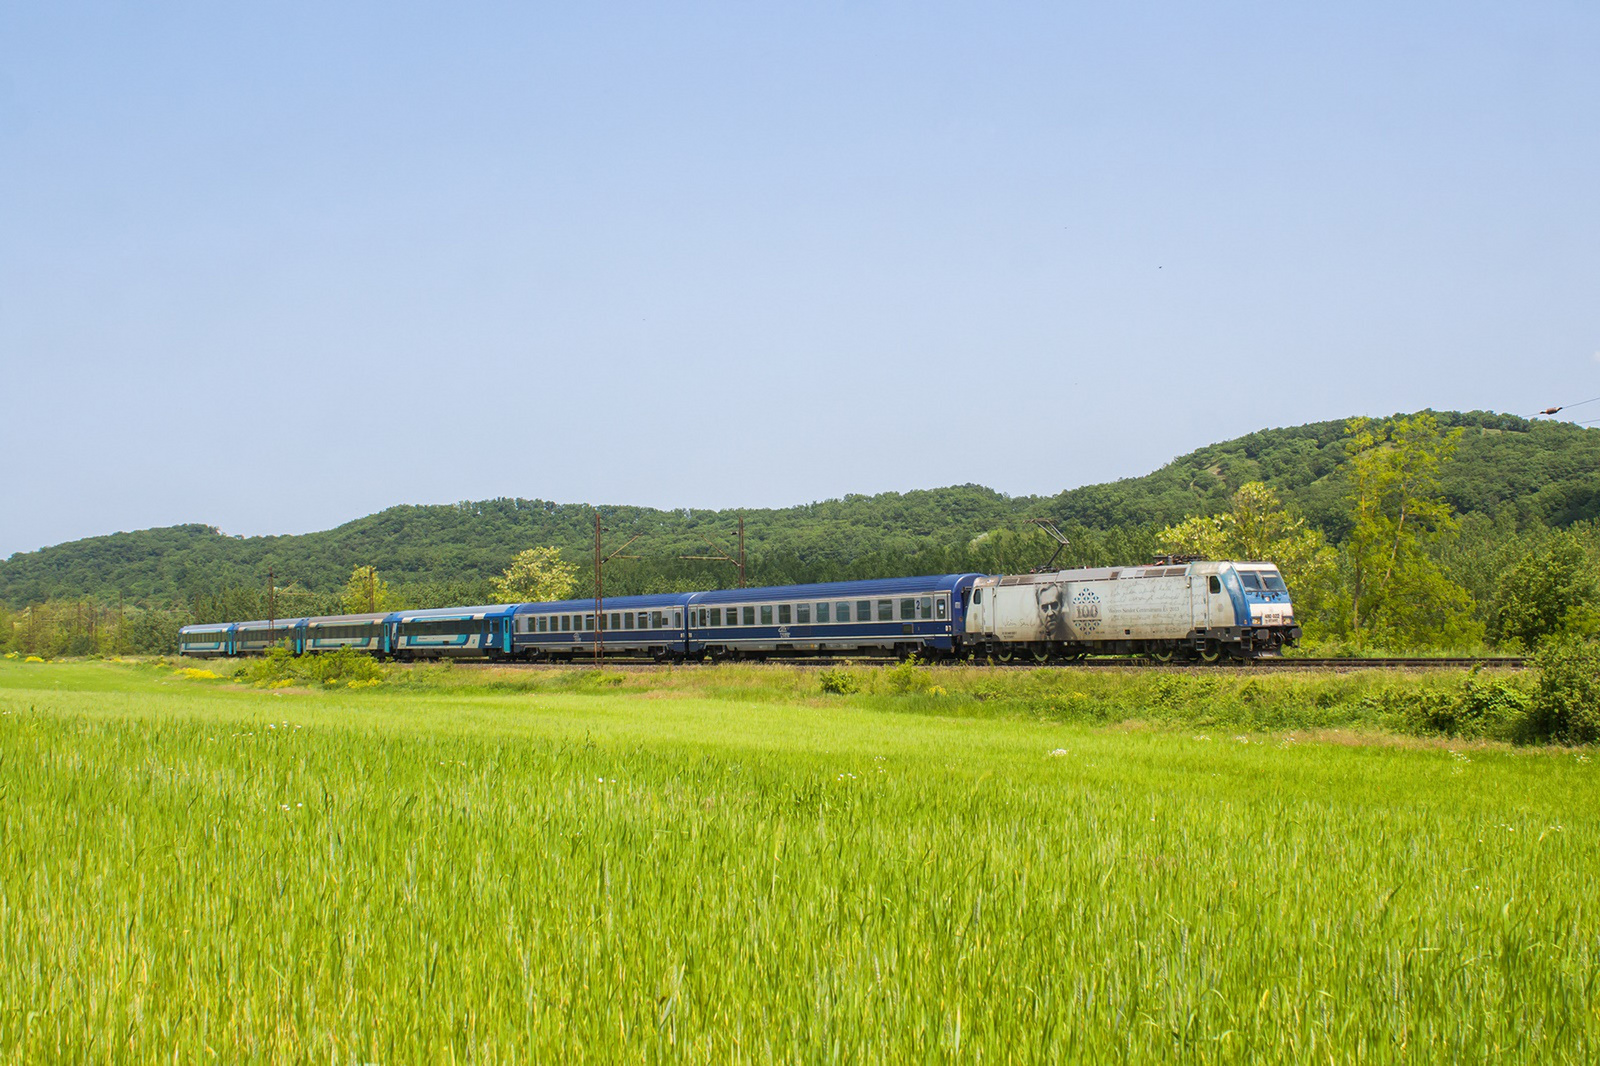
836	590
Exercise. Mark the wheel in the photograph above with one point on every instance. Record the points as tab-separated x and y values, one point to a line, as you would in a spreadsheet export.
1041	655
1162	654
1210	653
1005	653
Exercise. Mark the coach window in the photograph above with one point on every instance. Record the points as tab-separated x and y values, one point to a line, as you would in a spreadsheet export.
863	610
588	622
886	610
802	613
544	624
908	610
627	619
822	613
749	615
566	623
784	617
677	619
716	616
843	614
766	614
655	620
940	608
925	607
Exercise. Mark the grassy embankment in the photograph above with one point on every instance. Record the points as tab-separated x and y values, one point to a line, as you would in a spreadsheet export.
732	864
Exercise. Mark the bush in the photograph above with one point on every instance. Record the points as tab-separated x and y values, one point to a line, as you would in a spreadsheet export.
906	678
280	666
1566	706
1496	708
839	681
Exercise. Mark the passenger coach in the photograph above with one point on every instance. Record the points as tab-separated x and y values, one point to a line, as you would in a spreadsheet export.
629	625
904	616
451	632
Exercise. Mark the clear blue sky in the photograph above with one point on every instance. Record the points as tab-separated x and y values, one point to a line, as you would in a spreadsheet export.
758	254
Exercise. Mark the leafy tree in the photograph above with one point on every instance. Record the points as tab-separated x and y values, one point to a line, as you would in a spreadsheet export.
365	593
1258	526
1566	706
536	575
1397	589
153	632
1552	590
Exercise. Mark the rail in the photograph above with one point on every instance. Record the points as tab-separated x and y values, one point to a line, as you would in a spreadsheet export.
1505	662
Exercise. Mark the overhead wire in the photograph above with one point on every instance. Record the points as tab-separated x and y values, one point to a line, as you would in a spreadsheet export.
1563	407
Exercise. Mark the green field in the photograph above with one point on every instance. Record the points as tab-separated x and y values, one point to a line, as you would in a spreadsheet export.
713	867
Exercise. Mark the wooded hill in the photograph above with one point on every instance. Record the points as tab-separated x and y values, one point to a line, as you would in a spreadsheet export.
1516	471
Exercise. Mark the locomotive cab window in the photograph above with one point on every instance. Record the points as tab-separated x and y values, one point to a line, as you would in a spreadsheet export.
1214	583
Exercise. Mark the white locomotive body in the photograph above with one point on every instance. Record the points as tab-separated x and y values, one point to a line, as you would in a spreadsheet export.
1203	610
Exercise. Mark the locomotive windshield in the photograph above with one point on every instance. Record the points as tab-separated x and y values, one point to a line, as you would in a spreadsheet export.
1263	584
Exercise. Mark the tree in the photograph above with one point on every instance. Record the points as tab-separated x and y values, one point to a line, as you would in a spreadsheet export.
1397	589
1258	526
365	593
534	576
1550	591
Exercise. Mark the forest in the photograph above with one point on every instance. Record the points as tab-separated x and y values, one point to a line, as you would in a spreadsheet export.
1436	530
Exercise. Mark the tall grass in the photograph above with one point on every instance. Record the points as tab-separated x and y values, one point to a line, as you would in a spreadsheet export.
192	870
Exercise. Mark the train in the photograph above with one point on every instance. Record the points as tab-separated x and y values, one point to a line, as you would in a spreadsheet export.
1189	610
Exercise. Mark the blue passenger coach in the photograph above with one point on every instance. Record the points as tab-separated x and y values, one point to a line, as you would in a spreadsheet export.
904	615
204	641
629	625
359	632
264	634
451	632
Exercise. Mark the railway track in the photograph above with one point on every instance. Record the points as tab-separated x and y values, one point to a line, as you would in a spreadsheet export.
1272	664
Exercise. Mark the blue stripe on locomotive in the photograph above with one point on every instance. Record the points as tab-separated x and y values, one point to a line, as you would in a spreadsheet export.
1235	590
